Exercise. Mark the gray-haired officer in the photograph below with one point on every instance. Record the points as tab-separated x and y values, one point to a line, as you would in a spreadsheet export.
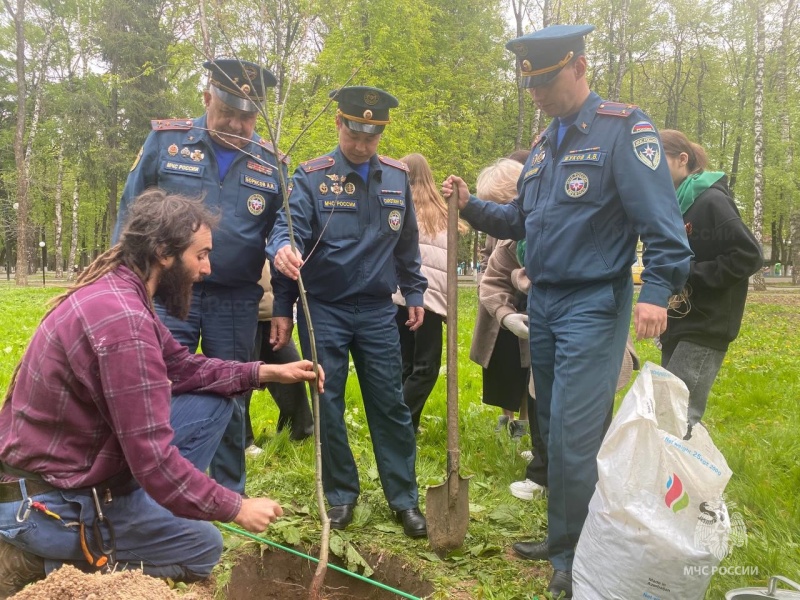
220	157
357	240
593	183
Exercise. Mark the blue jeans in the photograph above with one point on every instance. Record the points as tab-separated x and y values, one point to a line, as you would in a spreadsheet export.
226	320
577	341
697	366
148	536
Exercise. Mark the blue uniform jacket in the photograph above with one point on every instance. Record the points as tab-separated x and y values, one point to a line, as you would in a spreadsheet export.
581	207
360	241
178	157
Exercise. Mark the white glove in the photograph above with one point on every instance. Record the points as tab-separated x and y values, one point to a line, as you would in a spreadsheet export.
516	323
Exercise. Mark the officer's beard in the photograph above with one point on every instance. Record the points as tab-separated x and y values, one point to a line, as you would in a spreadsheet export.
174	290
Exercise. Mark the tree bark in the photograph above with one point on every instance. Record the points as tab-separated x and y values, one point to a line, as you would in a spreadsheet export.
758	148
58	256
73	244
21	277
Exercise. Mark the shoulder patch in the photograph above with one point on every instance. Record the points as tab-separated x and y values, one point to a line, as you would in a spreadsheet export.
171	124
269	147
393	163
315	164
616	109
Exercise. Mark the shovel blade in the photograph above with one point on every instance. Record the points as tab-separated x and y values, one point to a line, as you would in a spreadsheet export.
447	513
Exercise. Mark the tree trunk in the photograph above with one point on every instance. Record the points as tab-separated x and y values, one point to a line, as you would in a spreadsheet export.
73	244
622	52
758	148
21	277
58	255
207	54
518	6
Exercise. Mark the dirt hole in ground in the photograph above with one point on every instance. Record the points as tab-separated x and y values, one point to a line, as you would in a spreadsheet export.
280	575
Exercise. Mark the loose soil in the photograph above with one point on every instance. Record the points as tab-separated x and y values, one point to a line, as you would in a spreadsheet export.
68	583
284	576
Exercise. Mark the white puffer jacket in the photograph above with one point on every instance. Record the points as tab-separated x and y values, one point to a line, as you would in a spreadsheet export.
434	267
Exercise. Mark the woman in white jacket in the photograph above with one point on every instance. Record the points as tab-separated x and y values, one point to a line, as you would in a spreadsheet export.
422	349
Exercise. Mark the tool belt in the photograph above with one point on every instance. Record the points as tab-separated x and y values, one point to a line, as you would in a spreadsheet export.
10	491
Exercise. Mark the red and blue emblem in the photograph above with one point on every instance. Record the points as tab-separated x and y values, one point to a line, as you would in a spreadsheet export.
577	185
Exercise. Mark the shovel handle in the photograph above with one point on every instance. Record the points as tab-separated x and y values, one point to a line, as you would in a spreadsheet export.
452	333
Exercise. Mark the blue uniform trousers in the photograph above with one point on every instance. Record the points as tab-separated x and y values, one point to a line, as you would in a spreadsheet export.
368	332
226	319
577	340
148	536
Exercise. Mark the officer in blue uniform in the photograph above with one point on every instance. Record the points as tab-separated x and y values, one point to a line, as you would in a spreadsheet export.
220	157
356	237
594	181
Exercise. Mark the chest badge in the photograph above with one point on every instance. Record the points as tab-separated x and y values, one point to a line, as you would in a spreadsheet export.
256	204
336	188
350	187
394	220
648	151
323	188
538	158
577	185
172	150
197	155
185	152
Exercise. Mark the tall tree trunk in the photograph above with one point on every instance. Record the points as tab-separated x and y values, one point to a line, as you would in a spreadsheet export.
21	277
622	52
518	8
113	142
58	255
758	148
788	192
73	244
204	31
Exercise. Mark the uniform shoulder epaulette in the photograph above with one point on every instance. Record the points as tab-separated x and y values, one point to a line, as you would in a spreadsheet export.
269	147
616	109
315	164
171	124
393	163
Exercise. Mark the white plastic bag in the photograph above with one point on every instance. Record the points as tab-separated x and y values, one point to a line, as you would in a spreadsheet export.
647	532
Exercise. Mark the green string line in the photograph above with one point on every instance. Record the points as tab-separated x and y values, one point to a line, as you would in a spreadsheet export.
378	584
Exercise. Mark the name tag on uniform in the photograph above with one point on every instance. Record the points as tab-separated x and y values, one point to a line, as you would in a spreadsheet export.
337	204
584	157
266	185
397	202
533	172
183	168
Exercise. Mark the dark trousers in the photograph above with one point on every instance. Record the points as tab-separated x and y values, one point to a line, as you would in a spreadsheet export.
225	318
422	356
536	470
577	340
367	332
291	398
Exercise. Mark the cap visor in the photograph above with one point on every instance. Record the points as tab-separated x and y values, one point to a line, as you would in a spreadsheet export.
537	80
363	127
237	102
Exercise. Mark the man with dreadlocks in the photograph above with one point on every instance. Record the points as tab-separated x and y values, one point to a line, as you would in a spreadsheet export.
220	157
109	423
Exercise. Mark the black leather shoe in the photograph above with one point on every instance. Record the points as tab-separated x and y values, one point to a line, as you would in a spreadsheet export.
532	550
561	582
414	524
340	516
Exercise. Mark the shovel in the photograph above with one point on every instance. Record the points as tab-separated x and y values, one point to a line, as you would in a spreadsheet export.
447	504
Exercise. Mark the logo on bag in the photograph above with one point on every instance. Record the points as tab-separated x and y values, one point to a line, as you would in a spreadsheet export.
718	529
676	498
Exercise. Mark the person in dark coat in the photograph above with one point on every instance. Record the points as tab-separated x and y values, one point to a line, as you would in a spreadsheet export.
706	318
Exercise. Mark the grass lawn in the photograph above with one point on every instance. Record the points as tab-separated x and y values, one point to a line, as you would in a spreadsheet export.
753	417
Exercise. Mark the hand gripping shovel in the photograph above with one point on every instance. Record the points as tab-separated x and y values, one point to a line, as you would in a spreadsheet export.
447	504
